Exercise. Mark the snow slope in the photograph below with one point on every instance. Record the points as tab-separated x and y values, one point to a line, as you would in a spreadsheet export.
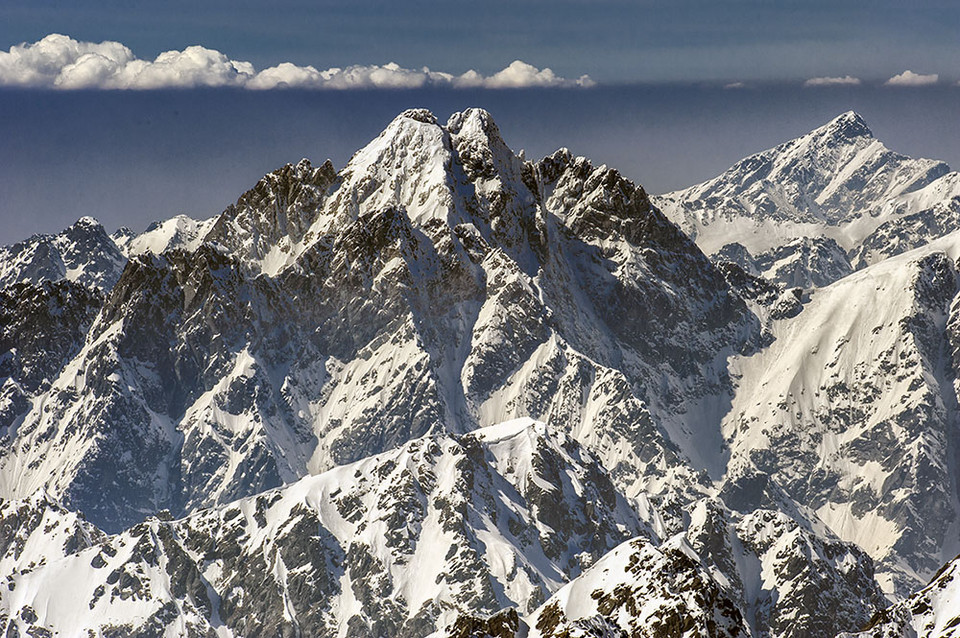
180	232
851	410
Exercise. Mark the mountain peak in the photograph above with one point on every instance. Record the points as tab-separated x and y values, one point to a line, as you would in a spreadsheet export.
86	222
477	117
848	125
832	176
420	115
478	124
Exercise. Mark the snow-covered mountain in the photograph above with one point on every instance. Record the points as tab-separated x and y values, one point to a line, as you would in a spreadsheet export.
180	232
805	262
444	285
86	254
390	545
837	182
83	253
636	589
330	387
932	612
417	539
923	215
759	575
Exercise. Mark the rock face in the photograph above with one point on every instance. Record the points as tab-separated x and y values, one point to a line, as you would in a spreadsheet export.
639	589
42	327
271	218
338	388
786	579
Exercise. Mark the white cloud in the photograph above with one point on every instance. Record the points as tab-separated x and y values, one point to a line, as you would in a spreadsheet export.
848	80
521	74
393	76
41	63
58	61
735	85
388	76
909	78
284	75
194	66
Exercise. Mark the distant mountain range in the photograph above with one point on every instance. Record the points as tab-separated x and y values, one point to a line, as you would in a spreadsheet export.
447	391
810	210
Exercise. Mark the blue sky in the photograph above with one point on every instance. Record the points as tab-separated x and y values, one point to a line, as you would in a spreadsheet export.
611	40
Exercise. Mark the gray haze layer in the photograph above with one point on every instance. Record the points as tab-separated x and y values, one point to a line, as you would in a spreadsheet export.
128	158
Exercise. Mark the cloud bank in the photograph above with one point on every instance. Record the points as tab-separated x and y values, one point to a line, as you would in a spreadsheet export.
847	80
60	62
909	78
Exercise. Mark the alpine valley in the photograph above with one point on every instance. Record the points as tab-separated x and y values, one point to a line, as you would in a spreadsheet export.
447	391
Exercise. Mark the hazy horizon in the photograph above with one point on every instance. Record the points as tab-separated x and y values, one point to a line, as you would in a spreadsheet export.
132	157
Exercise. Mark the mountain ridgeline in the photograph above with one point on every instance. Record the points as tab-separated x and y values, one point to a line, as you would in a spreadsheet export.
449	391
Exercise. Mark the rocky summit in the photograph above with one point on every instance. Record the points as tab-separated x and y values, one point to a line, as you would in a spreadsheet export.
447	391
